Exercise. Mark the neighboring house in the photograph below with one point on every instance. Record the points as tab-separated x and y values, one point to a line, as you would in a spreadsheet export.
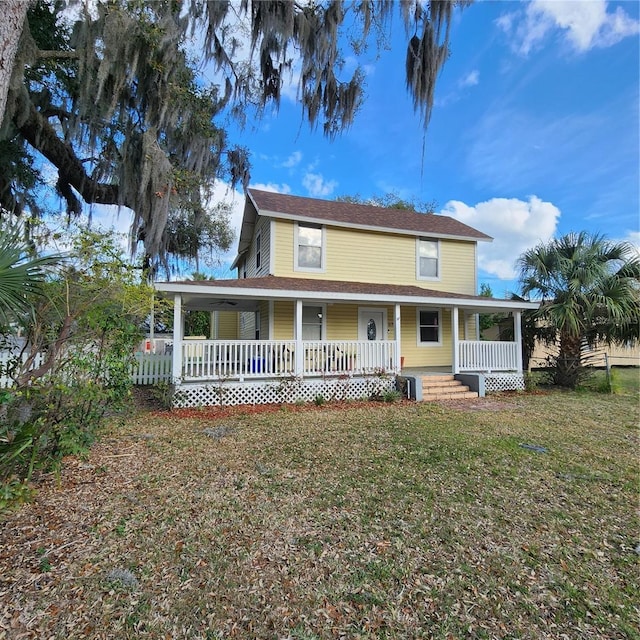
333	293
600	355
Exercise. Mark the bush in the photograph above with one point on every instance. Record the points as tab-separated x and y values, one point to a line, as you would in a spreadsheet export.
391	396
532	380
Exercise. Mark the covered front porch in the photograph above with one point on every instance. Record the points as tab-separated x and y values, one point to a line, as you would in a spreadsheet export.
383	339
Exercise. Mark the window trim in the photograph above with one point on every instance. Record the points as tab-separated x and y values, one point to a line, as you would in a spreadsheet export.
323	246
258	250
419	276
433	343
257	324
323	319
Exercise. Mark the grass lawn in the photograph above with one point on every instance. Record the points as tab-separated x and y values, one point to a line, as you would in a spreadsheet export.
514	516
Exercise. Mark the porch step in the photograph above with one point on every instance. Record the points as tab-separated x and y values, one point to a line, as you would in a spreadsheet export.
445	387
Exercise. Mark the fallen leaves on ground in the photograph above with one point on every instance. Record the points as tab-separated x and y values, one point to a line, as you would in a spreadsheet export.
360	521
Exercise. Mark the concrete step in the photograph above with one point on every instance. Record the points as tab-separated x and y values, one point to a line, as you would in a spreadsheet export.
443	377
430	397
444	384
436	388
445	387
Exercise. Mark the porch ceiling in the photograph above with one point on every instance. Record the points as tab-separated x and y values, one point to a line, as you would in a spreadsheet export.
242	294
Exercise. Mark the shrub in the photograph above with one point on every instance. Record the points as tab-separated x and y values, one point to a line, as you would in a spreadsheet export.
391	396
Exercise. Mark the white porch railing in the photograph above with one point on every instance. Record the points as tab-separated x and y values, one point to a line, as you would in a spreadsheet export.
237	358
485	355
348	356
240	359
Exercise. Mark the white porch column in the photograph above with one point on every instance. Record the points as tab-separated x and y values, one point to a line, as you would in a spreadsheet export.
213	325
178	331
397	334
297	323
517	333
455	338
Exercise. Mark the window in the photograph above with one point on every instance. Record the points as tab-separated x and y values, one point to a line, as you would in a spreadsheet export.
311	323
428	251
258	250
257	324
309	247
428	326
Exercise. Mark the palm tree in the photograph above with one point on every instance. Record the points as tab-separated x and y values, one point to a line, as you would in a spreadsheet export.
21	277
590	292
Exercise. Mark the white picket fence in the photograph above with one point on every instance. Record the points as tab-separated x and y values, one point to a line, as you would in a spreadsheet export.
149	368
152	368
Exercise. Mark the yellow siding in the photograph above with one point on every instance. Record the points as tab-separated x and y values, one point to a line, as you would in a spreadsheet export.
366	256
227	325
283	260
342	322
416	355
470	333
283	328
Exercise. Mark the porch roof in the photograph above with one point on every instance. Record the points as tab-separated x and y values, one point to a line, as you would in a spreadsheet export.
216	294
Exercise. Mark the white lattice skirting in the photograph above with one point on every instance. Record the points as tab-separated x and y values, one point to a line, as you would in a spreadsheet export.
280	391
503	382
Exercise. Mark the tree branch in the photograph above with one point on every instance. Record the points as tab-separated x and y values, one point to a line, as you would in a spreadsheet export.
56	55
39	133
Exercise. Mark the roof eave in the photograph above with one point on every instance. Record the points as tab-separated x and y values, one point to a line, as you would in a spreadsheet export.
369	227
485	305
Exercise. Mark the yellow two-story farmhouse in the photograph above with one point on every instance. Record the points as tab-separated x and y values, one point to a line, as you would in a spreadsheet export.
338	299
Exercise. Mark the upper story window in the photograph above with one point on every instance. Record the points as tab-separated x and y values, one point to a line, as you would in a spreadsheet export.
309	247
258	250
429	326
428	259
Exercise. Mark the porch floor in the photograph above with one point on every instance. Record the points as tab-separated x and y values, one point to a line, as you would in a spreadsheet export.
425	371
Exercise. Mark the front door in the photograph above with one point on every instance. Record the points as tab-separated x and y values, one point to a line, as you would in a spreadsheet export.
371	324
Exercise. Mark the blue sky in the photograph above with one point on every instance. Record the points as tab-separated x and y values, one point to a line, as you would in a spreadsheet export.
534	132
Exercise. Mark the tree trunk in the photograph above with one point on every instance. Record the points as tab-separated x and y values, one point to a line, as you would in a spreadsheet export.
568	367
14	13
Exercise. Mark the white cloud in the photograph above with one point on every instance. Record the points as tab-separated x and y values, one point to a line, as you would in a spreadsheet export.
586	24
271	186
515	225
633	238
317	186
293	160
470	80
